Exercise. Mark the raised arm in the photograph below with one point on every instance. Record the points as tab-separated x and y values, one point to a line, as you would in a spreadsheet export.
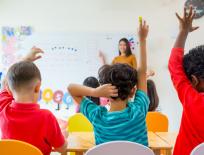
181	83
142	69
79	91
5	95
102	58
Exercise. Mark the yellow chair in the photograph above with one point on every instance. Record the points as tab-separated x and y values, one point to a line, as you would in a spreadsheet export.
12	147
157	122
79	123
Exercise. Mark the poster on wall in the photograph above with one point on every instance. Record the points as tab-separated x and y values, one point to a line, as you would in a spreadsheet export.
68	58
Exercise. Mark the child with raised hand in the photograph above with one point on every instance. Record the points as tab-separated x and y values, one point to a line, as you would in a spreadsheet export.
187	74
125	120
20	116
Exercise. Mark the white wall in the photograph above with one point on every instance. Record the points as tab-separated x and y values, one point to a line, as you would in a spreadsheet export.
111	16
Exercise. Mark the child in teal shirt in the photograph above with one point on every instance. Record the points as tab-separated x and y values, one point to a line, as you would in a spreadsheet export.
119	82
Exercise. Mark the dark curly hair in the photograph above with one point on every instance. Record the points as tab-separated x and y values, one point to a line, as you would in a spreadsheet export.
122	76
128	50
93	83
193	62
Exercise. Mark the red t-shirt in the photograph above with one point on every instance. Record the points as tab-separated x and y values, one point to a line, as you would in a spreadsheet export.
191	131
29	123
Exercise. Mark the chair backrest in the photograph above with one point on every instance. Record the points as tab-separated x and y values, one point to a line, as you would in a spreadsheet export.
15	147
198	150
157	122
79	123
120	148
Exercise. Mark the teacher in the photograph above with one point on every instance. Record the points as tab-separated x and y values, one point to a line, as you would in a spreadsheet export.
125	54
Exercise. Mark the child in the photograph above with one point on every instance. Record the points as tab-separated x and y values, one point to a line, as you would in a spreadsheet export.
125	54
152	94
20	116
187	74
125	120
93	83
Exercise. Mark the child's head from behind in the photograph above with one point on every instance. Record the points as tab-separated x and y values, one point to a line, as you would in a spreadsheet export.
124	47
24	79
152	94
193	64
93	83
123	76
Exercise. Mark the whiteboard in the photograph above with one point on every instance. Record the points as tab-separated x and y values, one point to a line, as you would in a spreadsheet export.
70	58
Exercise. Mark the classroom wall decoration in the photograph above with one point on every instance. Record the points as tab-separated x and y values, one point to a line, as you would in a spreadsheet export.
68	57
198	6
12	38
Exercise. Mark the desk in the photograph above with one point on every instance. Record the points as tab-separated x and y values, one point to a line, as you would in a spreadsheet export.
80	142
169	137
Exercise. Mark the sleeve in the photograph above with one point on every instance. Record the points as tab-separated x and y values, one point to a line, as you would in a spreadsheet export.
186	93
141	100
54	134
5	98
134	62
114	61
88	109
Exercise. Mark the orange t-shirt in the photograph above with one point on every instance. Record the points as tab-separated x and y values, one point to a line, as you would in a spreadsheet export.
130	60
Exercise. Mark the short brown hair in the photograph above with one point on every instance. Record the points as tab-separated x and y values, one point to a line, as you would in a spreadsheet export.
21	74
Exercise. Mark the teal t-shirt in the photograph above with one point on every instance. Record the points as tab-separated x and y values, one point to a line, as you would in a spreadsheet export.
128	124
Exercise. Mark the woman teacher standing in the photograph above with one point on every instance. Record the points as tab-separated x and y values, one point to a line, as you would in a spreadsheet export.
125	54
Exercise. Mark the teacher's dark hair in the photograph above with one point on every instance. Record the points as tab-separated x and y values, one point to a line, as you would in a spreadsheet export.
128	50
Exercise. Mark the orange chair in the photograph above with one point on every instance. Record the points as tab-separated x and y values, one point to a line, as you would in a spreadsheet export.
15	147
157	122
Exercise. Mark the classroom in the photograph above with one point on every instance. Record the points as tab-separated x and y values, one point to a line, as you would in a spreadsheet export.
101	77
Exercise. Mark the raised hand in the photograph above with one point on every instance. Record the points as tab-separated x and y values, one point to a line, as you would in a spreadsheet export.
34	54
143	30
185	22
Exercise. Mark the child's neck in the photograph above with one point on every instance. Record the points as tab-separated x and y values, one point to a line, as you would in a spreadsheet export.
24	99
118	105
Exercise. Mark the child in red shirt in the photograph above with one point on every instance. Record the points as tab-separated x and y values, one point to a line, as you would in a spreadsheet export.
20	116
187	74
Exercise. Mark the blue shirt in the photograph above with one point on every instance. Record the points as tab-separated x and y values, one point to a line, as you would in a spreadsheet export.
128	124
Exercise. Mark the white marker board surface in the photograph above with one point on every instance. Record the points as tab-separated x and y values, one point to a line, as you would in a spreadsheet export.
70	58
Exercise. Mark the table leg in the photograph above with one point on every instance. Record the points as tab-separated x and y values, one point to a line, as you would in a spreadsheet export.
79	153
157	152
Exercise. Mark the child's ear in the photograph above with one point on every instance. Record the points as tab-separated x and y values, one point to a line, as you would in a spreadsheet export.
132	92
8	89
37	87
195	80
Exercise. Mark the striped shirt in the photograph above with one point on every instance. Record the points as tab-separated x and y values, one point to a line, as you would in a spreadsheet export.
128	124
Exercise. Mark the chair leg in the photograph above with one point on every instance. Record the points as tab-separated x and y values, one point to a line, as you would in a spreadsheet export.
169	152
